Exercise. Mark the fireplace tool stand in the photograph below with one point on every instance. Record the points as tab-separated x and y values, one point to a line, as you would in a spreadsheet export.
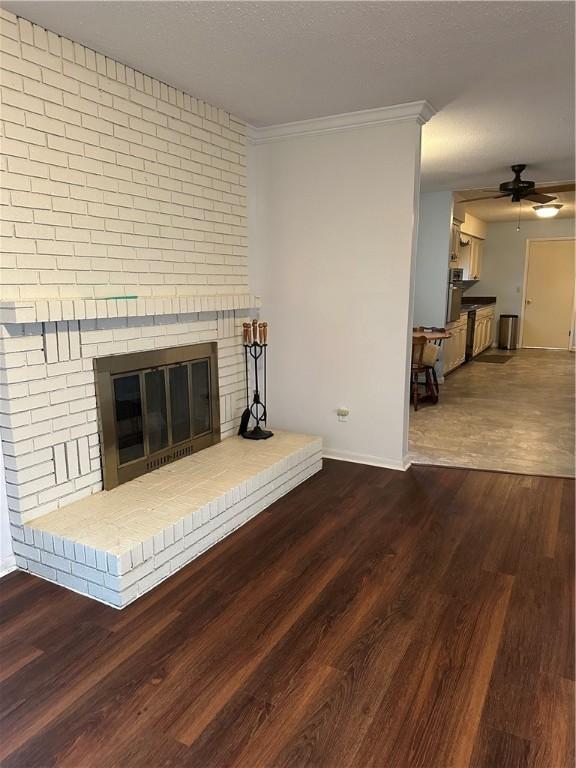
255	344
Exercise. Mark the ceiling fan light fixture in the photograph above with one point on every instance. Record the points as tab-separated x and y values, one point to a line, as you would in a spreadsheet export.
547	211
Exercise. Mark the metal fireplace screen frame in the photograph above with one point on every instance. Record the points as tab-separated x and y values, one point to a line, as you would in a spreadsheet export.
108	369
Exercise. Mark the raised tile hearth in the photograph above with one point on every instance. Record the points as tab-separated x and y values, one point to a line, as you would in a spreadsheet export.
116	545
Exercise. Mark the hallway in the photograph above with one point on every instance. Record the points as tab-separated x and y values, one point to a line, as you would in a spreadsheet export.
516	416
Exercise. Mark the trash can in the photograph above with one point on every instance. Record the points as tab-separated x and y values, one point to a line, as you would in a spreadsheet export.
508	332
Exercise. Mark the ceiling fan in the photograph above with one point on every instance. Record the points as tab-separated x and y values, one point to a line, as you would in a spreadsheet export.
519	189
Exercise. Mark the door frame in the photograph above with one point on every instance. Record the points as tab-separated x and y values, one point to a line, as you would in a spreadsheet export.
525	285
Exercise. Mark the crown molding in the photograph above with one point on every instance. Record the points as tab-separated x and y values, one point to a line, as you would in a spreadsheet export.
420	111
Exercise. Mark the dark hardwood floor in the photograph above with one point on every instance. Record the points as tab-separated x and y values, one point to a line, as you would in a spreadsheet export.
371	618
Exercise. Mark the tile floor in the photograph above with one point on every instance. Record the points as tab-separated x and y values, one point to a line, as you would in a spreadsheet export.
514	417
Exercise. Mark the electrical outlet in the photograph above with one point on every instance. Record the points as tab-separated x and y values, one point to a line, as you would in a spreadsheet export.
342	414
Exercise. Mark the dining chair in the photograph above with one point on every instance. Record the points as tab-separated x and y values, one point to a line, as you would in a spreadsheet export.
424	356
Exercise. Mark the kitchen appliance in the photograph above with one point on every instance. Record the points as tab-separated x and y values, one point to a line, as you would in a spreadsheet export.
456	275
455	290
470	330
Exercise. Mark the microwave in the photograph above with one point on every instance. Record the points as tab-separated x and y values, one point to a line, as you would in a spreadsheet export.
456	275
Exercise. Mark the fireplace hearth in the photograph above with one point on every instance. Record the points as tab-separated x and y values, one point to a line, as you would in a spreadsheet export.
155	407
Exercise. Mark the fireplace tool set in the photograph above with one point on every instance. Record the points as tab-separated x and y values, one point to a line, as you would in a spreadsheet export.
255	337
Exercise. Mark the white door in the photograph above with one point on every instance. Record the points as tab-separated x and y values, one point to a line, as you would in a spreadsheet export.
549	294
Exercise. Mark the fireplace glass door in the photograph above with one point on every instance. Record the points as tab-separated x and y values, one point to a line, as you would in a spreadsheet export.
179	376
162	410
156	415
200	397
129	424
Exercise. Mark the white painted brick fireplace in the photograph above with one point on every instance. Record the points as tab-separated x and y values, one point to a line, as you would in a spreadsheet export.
123	229
115	545
48	400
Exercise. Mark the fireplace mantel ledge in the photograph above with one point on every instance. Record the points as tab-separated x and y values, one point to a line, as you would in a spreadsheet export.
46	310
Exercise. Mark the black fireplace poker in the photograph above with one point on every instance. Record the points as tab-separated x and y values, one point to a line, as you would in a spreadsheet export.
255	344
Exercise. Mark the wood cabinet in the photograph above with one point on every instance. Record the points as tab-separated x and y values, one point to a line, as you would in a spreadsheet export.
454	348
479	332
484	330
470	256
455	244
475	267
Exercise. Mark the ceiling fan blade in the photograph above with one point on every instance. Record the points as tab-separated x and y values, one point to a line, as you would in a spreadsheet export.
484	197
556	188
536	197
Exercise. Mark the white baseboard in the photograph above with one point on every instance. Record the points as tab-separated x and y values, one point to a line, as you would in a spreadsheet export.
7	564
373	461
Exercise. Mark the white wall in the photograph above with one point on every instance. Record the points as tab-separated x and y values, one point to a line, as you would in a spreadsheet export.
332	225
116	183
432	258
504	256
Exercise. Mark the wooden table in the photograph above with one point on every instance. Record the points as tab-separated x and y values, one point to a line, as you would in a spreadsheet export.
433	336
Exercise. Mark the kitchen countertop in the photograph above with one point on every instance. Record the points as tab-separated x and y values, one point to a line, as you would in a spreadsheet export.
465	310
477	302
473	307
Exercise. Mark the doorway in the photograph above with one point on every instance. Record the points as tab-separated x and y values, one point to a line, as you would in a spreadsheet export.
548	307
505	407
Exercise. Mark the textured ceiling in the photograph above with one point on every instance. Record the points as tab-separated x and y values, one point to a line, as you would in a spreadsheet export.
501	74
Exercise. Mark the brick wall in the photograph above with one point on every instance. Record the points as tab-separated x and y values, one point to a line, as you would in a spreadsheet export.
48	416
113	183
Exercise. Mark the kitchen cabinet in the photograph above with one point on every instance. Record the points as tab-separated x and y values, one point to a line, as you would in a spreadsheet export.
470	256
455	244
484	330
475	268
454	348
478	337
